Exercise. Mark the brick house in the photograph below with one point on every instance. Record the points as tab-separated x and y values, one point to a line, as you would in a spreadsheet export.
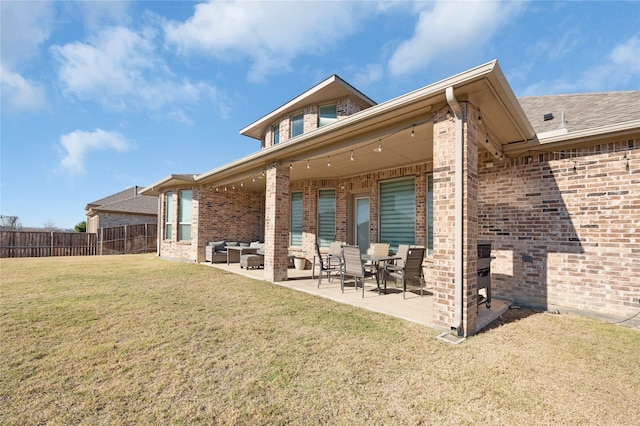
552	182
128	207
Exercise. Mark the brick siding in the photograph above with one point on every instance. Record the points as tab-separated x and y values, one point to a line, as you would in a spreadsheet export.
576	216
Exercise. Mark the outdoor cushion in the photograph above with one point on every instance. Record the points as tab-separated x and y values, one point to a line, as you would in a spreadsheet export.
217	245
232	244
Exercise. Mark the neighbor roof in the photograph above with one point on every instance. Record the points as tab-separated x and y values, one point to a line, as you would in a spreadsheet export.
128	201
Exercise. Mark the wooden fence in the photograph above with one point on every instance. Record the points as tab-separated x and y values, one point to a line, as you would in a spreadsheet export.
128	239
43	244
118	240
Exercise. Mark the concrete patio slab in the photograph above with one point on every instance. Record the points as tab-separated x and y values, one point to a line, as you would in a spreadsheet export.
414	308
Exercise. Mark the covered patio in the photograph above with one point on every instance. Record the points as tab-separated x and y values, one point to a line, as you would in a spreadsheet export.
414	308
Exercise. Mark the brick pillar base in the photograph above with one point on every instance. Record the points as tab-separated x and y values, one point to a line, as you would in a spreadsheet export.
277	222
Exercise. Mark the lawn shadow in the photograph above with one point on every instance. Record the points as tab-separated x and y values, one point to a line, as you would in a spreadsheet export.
514	314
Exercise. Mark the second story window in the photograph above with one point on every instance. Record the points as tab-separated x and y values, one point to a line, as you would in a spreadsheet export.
275	130
328	114
297	125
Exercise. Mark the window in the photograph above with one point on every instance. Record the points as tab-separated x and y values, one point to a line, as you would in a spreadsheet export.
398	212
326	217
276	134
295	237
168	216
430	215
184	215
328	114
297	125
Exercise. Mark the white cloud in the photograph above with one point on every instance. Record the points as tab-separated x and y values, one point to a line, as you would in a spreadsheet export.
371	73
78	144
449	31
271	34
18	93
120	69
620	68
24	27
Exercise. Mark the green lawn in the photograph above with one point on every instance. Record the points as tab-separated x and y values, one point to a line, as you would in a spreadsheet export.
138	340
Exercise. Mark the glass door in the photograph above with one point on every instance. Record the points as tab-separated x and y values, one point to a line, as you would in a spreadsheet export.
362	223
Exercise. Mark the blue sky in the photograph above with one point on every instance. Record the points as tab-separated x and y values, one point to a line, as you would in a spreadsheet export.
101	96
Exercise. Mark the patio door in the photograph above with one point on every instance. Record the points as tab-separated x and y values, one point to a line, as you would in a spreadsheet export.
361	222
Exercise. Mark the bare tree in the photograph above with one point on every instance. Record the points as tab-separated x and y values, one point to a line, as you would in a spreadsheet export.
49	226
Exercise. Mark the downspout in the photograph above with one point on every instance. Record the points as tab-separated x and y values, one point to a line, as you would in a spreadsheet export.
459	202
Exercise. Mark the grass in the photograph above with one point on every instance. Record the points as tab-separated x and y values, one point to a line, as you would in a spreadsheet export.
138	340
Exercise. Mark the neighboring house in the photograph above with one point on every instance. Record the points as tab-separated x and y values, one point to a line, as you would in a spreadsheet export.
552	182
127	207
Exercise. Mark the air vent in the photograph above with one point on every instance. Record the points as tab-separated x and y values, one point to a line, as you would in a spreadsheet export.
548	116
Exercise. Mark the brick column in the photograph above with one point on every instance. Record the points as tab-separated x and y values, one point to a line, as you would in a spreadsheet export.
444	149
277	222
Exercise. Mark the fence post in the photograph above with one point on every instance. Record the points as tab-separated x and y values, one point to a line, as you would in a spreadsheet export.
125	239
101	240
146	235
51	247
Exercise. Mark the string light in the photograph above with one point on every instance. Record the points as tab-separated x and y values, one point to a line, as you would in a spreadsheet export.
379	148
351	158
253	179
290	165
413	133
242	184
308	165
328	162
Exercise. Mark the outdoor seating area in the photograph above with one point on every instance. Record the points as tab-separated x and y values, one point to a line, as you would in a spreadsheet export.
347	261
248	255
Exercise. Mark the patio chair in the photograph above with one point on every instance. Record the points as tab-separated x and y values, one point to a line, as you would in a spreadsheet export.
352	266
398	264
412	270
326	265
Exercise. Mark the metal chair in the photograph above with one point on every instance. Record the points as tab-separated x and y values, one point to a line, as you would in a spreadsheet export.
352	266
327	265
398	264
412	270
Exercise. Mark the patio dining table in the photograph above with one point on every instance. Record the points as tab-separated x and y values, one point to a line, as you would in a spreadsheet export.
377	260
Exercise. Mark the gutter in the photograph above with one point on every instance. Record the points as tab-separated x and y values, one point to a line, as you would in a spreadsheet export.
459	203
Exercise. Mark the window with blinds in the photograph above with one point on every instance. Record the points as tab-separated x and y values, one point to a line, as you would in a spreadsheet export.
398	212
326	217
295	236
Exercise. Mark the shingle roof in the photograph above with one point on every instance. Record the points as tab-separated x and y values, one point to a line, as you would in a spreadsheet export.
581	111
127	201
